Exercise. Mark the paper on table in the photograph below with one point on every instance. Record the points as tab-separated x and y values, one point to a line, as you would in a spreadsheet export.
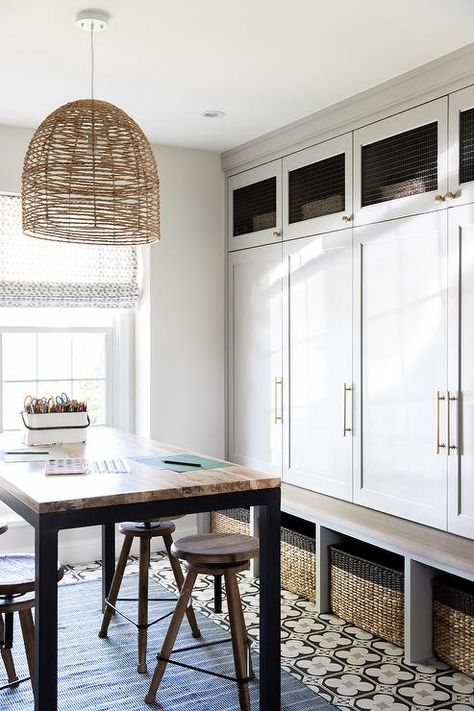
31	454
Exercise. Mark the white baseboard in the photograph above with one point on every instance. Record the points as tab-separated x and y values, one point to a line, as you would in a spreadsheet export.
79	545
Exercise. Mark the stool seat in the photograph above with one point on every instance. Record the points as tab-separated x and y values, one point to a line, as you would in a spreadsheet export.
3	527
17	574
150	529
216	548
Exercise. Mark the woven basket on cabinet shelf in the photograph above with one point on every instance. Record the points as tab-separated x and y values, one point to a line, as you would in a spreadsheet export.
453	622
367	589
298	566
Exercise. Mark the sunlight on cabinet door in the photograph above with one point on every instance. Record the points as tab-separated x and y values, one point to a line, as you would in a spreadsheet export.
402	354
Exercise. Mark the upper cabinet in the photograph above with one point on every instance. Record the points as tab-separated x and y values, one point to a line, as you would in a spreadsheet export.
400	164
317	188
461	147
254	207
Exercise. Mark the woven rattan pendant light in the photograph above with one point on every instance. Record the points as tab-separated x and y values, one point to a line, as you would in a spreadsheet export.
89	174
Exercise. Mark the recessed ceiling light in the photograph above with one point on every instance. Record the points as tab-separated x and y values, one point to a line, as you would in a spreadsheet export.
213	113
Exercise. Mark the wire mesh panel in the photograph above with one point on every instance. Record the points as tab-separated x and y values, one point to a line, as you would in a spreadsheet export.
466	146
317	189
255	207
401	165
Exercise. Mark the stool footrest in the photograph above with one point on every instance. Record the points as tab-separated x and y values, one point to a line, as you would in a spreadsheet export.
136	624
244	680
13	684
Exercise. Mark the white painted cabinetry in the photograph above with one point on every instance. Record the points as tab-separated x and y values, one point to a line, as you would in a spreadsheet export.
318	363
400	365
459	408
255	358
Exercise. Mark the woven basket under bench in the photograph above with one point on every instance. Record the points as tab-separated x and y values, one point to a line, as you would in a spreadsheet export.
453	622
367	589
298	565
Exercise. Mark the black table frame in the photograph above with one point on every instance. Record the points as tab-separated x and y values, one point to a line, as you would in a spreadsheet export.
47	526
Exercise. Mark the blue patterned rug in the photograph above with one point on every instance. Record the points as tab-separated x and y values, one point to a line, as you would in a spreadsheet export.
100	675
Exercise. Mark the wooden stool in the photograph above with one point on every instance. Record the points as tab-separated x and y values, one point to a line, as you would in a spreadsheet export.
213	554
17	584
145	532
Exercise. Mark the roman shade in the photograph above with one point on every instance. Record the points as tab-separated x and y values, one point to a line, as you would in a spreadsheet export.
41	273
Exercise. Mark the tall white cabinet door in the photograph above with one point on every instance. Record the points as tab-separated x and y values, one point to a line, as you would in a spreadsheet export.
400	164
255	358
460	439
401	363
461	147
318	363
254	207
317	188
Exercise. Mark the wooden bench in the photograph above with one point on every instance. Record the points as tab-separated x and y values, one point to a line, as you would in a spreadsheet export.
427	552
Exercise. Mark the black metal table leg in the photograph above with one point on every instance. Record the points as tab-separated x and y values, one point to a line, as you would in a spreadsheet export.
46	617
270	633
108	559
218	593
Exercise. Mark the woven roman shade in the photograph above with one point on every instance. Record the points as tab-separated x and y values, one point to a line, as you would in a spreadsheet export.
89	176
36	272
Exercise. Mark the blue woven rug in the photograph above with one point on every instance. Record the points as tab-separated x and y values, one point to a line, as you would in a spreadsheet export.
100	674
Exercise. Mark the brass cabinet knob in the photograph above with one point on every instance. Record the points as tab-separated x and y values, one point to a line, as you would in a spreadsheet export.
276	234
450	196
440	198
346	218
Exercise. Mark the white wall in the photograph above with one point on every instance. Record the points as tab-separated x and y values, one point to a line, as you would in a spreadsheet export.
180	321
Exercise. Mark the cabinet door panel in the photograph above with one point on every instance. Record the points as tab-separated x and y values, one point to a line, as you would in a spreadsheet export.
400	164
401	296
318	354
461	371
254	207
317	188
255	367
461	146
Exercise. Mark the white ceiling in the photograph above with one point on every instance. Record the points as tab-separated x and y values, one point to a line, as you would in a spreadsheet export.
264	62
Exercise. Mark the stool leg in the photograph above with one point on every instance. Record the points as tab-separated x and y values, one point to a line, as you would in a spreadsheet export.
238	645
250	670
115	587
143	577
172	633
28	632
217	594
179	577
7	656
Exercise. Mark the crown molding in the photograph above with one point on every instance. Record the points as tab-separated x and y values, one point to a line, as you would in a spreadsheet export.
425	83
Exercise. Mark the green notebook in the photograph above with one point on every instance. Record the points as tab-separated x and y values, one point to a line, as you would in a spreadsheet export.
187	459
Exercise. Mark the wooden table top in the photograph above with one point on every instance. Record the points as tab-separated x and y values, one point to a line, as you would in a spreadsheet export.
29	484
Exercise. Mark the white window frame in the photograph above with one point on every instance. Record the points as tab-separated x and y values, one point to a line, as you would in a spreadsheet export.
119	366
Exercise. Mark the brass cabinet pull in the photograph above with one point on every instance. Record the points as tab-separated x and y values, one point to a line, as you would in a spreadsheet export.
450	398
439	398
346	429
277	382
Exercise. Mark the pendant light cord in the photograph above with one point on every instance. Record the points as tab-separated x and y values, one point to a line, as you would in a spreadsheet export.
92	59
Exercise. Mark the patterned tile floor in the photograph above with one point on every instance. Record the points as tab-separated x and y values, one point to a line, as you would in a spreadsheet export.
349	667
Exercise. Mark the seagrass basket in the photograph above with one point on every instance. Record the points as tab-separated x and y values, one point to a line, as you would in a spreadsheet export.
367	589
453	622
298	564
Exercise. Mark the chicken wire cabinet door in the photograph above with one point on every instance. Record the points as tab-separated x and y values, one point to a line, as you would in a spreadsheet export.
400	366
400	164
461	147
255	358
318	363
317	189
254	207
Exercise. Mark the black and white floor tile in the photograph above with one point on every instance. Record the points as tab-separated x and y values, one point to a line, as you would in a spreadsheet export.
349	667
